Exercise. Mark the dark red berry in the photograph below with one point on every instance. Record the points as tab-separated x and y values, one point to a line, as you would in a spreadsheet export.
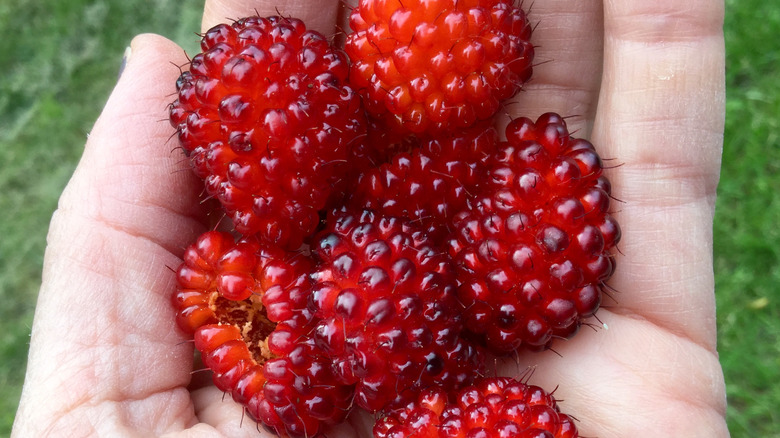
532	249
385	299
498	407
429	184
269	123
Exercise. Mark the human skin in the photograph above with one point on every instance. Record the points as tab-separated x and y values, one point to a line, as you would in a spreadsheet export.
643	80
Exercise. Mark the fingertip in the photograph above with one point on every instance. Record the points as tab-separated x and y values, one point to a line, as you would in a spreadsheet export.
145	88
153	43
154	51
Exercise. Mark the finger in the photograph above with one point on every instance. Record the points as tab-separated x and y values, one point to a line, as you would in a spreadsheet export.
103	338
318	15
661	115
568	39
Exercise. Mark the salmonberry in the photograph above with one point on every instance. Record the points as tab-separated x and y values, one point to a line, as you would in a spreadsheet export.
246	305
269	123
431	66
532	250
383	235
497	407
385	300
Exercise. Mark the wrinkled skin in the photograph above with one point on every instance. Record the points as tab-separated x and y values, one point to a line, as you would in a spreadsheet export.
645	82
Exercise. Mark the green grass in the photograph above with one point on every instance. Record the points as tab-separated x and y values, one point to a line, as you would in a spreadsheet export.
59	62
747	236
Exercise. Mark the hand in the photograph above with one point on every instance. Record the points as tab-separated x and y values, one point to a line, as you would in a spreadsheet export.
646	82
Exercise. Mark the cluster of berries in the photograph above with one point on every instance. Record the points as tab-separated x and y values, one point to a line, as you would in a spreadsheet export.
385	238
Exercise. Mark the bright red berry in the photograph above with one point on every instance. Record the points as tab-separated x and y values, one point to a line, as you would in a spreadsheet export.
431	183
246	305
491	408
388	316
532	250
439	64
268	121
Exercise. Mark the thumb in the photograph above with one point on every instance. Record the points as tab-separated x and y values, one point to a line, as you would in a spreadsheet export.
103	317
131	156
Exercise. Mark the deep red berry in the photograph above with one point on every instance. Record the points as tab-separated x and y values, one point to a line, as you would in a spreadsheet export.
441	64
246	305
491	408
431	183
268	122
532	250
385	299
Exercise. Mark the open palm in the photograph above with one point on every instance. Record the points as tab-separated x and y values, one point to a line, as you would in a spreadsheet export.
642	79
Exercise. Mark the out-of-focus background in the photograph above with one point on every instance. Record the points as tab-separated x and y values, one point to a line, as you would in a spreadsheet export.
59	61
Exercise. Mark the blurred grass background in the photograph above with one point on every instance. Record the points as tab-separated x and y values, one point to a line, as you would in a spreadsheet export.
60	59
747	221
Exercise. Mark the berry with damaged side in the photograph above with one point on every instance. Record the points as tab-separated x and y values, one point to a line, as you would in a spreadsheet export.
245	305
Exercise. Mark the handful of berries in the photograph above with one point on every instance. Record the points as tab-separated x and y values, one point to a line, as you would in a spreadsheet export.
386	237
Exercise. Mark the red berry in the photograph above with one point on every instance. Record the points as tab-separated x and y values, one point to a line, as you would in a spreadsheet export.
246	305
431	183
497	407
266	117
385	299
532	250
435	65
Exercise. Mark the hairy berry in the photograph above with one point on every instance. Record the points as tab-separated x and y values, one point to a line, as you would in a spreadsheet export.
532	249
428	66
245	303
269	123
497	407
385	300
